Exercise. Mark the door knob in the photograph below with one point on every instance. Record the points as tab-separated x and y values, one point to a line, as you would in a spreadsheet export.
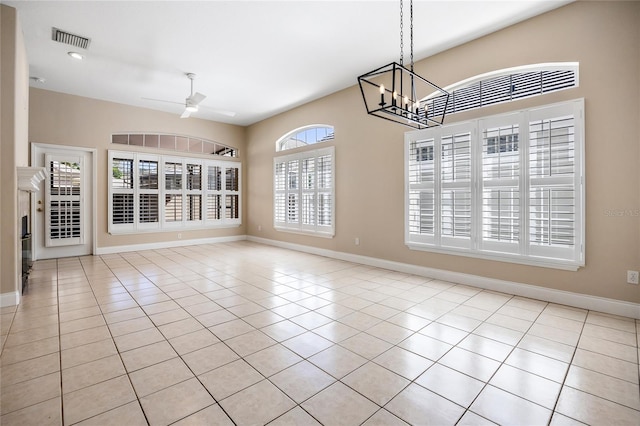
39	209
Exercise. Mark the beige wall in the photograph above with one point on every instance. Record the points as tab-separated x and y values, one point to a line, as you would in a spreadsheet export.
14	88
61	119
603	36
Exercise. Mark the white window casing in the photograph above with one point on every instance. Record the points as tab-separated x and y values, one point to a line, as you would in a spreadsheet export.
304	192
508	187
164	192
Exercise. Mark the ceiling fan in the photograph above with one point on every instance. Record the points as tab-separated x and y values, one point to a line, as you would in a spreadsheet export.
192	102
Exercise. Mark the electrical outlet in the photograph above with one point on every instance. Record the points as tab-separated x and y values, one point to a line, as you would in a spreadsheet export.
179	236
632	277
357	241
259	227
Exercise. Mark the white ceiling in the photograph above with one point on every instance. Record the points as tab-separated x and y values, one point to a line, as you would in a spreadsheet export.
257	58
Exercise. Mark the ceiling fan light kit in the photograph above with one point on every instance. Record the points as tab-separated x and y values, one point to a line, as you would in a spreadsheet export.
192	101
396	93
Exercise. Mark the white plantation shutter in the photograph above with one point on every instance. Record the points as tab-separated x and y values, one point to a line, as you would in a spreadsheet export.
122	196
232	194
214	207
173	185
280	193
421	192
148	188
325	172
455	186
193	194
122	209
500	180
154	192
214	194
293	191
554	196
507	188
308	181
303	192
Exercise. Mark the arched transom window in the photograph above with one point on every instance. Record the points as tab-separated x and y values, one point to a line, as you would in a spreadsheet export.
304	136
504	85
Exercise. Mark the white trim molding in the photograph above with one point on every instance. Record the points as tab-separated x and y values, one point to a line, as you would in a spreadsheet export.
29	178
10	299
578	300
168	244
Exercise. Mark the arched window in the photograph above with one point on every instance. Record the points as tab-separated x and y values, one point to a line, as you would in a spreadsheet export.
304	136
304	184
504	85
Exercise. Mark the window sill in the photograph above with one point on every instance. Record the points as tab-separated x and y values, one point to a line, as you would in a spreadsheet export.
567	265
171	229
321	234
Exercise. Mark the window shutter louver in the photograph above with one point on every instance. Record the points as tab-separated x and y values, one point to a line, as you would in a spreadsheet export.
148	192
501	213
214	206
122	207
279	177
421	170
455	193
502	88
552	206
122	192
232	196
325	191
148	208
308	191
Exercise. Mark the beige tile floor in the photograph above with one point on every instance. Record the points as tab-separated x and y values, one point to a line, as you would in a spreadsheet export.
242	333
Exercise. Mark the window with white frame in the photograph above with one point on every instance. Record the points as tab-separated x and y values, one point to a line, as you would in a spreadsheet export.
159	192
304	192
508	187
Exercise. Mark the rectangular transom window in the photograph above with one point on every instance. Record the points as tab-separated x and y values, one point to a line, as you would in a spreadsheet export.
304	192
160	193
508	187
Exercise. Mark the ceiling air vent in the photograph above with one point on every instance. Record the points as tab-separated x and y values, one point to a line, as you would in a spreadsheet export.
68	38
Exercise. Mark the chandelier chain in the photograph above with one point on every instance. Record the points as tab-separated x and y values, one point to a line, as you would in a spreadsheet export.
411	30
401	34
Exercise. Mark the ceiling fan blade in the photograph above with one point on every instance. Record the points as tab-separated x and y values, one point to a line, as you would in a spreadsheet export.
163	100
196	98
185	114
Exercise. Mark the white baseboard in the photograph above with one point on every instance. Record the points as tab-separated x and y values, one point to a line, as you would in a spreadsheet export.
168	244
578	300
9	299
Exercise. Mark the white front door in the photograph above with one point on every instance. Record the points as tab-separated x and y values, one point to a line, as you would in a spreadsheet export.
63	216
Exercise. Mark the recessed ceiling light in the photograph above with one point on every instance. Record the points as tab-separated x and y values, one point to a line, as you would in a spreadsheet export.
75	55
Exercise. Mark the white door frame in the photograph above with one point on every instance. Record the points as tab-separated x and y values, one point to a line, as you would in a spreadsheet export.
40	148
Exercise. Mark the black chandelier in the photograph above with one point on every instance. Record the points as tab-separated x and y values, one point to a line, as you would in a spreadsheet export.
398	94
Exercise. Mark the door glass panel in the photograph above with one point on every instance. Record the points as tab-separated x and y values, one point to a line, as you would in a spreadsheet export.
63	224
